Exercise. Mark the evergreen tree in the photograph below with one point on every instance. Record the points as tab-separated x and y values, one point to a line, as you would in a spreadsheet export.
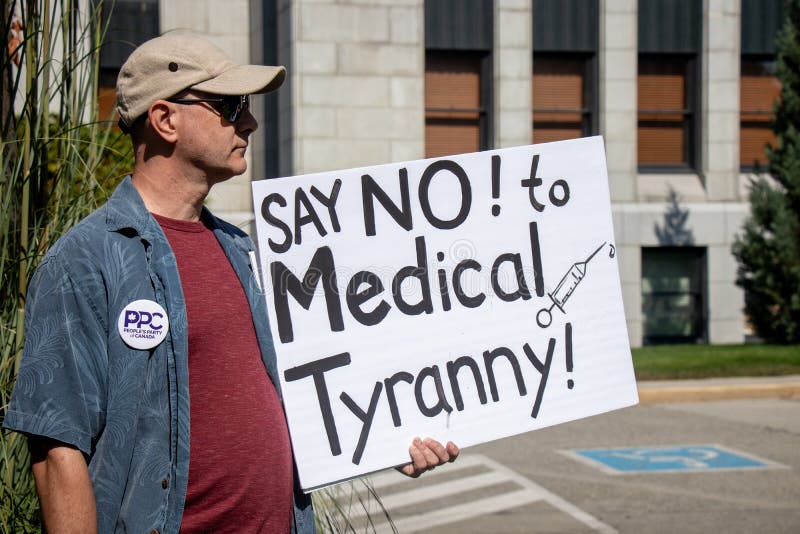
768	251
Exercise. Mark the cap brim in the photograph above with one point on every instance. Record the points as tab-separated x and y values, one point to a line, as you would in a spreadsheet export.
244	80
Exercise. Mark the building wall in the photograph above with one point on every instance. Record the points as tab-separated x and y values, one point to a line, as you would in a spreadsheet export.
617	88
356	83
512	73
355	96
712	197
617	109
721	60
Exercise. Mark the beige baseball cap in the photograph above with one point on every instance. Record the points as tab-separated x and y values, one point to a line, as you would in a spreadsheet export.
163	67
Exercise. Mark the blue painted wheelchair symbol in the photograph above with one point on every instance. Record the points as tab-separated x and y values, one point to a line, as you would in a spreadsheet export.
669	459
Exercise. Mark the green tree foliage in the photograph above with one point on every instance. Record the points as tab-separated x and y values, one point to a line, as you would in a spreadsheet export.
768	250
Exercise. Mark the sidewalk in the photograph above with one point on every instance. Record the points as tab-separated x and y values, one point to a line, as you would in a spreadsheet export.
773	387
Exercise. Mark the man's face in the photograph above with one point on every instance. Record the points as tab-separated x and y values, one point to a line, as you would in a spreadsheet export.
210	142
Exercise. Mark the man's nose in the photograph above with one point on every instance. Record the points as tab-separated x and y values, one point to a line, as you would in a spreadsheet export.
247	123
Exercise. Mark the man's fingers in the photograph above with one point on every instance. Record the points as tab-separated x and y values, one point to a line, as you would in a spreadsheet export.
431	455
453	451
438	449
409	471
419	460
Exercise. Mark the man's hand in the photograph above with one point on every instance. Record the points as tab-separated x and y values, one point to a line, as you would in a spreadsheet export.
427	454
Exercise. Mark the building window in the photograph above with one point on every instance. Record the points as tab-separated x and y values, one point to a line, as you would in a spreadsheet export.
673	300
128	24
758	93
455	103
562	96
666	116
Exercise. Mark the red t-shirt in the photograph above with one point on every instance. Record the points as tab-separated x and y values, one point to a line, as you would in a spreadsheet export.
240	459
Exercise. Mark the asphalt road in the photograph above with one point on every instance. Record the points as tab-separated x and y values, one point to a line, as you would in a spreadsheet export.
529	484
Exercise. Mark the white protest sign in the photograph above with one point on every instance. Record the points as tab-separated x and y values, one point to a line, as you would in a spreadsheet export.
465	298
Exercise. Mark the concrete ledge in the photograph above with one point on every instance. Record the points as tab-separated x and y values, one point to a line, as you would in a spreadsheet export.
653	394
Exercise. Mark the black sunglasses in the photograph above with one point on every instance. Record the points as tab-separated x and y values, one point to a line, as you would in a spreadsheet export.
230	107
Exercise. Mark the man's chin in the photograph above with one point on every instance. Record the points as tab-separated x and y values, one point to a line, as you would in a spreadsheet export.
232	172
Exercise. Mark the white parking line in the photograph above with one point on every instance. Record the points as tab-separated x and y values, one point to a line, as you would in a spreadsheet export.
436	491
468	510
554	500
526	492
390	477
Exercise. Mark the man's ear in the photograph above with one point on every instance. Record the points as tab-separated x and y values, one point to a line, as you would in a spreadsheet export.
163	121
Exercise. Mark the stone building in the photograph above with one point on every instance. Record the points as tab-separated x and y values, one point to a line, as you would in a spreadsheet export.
681	91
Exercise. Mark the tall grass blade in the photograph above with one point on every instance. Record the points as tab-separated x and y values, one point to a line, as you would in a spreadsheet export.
58	163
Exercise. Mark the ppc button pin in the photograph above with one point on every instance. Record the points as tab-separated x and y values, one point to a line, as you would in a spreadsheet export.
143	324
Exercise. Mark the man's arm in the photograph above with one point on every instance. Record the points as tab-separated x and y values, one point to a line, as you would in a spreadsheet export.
64	487
427	454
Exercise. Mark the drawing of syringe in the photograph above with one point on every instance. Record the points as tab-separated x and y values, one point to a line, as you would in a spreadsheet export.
564	289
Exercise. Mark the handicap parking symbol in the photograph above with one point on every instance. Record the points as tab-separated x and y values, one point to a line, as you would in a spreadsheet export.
682	458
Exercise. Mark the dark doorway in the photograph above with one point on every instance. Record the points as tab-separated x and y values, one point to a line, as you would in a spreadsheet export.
673	295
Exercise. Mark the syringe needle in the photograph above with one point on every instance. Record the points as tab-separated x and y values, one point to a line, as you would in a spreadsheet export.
595	252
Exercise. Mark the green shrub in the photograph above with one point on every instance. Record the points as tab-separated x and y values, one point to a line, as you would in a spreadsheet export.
768	251
57	163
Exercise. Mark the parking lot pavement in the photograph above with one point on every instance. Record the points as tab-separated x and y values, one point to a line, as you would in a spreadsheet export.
475	489
763	500
534	482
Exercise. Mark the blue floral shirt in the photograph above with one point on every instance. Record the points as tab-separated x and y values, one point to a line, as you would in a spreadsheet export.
126	409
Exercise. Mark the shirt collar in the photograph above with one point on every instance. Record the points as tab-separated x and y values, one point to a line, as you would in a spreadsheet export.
226	232
126	209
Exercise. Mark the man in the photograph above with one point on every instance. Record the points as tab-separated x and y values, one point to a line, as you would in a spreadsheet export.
148	386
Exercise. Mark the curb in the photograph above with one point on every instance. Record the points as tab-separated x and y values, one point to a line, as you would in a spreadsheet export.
656	395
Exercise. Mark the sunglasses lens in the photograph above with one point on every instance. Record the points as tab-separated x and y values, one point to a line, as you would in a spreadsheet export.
233	106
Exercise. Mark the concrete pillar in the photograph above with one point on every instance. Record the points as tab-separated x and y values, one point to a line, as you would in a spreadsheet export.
618	91
357	83
618	72
725	300
630	273
720	98
720	109
513	70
